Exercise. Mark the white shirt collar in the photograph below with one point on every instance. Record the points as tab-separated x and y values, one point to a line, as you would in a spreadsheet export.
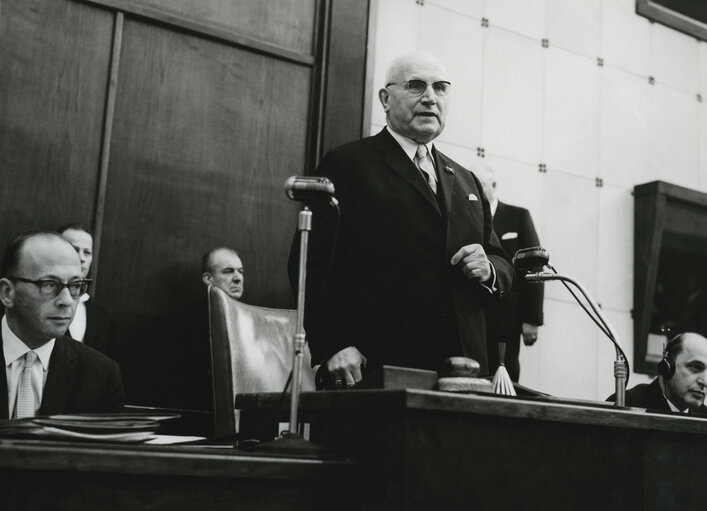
13	347
409	145
494	206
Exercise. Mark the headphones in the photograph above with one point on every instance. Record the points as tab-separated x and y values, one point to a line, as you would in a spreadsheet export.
666	367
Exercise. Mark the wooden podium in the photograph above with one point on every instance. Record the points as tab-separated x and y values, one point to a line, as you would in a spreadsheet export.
423	449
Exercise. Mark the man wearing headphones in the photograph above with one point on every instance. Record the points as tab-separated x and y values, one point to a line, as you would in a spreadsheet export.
682	382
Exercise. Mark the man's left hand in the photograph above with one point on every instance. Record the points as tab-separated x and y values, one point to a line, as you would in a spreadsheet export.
473	261
530	334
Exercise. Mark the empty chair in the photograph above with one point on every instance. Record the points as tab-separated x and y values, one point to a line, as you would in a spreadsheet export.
252	351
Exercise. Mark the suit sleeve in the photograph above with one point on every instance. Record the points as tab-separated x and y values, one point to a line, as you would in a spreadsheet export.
326	305
505	273
531	295
113	399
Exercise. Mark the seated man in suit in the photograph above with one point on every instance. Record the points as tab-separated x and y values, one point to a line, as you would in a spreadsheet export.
92	323
520	311
221	267
47	372
681	385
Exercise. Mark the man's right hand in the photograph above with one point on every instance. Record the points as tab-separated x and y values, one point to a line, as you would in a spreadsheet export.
346	367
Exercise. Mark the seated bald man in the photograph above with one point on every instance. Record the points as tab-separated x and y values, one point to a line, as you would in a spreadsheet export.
681	385
47	372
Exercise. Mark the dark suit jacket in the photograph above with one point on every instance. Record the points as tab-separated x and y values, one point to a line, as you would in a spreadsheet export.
650	396
99	332
80	380
524	303
390	289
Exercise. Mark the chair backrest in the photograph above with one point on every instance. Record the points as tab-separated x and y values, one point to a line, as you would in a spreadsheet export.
252	350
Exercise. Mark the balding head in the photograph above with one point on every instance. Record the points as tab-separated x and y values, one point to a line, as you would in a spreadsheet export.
222	267
34	315
419	115
488	180
687	387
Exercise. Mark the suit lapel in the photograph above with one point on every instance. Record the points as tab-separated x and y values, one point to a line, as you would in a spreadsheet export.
60	379
394	156
3	385
445	172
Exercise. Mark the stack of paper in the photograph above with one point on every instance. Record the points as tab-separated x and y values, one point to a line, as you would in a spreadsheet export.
121	427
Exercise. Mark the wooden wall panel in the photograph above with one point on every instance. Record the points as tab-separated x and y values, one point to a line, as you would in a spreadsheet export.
204	137
54	57
286	23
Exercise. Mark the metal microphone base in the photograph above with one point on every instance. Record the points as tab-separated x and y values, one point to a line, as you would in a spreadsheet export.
293	444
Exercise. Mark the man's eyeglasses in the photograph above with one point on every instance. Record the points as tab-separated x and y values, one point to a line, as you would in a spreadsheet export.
418	87
50	288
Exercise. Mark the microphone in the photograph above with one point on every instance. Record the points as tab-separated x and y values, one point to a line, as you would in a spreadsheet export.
531	259
309	189
540	277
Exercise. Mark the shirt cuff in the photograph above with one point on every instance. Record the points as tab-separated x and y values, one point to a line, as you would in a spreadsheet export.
491	285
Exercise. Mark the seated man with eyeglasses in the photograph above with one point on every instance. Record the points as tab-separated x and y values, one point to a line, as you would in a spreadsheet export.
47	372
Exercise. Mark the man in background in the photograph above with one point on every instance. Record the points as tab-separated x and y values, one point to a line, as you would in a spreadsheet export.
92	323
47	372
415	258
222	267
520	311
681	385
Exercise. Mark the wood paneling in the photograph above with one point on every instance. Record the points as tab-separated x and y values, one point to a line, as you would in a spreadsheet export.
54	58
204	137
171	126
286	23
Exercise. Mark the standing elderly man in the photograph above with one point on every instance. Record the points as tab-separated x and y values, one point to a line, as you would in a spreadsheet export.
46	371
415	257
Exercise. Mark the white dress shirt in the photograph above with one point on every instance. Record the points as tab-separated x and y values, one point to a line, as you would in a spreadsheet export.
14	350
77	328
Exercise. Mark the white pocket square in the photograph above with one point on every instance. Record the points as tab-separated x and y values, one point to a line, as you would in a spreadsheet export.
473	197
509	236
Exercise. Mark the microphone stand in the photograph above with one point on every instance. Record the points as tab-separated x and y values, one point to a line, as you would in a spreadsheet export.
620	372
291	441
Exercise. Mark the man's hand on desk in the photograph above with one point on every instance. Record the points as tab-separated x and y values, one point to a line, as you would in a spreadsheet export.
346	367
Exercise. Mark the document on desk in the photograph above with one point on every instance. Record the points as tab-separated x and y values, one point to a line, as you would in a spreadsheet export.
121	427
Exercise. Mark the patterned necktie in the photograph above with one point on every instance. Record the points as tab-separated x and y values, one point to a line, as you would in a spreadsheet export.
424	163
25	405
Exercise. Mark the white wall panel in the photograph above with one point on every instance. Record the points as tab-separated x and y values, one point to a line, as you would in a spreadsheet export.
520	184
526	17
571	141
574	25
674	137
473	8
563	361
625	41
462	54
702	56
571	230
674	59
624	127
393	38
615	263
460	154
512	96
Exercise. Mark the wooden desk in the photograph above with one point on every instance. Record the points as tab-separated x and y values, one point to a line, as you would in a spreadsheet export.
432	450
71	476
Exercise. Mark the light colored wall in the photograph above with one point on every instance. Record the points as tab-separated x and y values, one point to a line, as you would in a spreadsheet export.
526	105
